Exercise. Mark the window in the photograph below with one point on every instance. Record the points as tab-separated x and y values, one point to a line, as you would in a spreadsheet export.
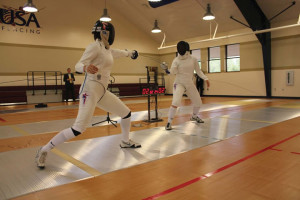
214	62
233	58
197	53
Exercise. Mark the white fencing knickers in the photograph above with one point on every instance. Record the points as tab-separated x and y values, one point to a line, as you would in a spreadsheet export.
191	92
94	94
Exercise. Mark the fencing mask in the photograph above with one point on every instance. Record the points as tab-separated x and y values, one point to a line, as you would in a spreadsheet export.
105	32
183	47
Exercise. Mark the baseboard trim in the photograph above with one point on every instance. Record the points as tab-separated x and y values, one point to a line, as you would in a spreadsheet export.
238	96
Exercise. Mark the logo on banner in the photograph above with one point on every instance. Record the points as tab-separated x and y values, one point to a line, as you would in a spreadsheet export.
17	20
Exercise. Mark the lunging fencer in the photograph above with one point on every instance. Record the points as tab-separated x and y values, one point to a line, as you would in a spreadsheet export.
96	62
183	67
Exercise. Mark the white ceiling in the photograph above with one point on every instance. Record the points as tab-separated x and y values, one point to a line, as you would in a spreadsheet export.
183	19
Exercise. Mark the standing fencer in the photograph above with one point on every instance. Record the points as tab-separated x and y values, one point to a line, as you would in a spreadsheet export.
96	62
183	67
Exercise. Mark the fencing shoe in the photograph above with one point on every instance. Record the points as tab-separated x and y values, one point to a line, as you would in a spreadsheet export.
197	119
130	144
168	127
40	158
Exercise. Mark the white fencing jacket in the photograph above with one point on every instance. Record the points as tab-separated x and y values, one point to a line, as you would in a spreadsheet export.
183	67
102	58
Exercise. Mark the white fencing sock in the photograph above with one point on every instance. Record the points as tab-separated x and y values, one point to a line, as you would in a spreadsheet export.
195	111
172	112
61	137
125	126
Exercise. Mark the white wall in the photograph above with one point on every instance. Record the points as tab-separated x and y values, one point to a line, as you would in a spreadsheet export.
65	33
69	23
250	80
234	83
279	86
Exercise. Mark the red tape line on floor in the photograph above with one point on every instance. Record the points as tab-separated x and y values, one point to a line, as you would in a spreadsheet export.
2	120
295	153
276	149
217	171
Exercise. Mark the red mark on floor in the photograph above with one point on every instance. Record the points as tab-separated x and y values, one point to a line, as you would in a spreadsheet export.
276	149
218	170
2	120
296	153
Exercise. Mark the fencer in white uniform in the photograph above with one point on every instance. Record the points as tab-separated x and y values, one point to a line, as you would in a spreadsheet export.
96	62
183	67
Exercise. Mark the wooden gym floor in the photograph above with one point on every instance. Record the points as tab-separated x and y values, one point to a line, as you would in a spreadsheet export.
246	149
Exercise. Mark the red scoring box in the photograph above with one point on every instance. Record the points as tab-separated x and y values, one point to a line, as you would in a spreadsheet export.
160	90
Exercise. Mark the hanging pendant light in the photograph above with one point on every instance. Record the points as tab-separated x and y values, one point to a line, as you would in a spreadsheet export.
105	17
156	29
208	15
29	7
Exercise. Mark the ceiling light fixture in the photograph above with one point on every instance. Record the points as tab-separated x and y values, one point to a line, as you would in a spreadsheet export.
105	17
208	15
156	29
154	0
29	7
